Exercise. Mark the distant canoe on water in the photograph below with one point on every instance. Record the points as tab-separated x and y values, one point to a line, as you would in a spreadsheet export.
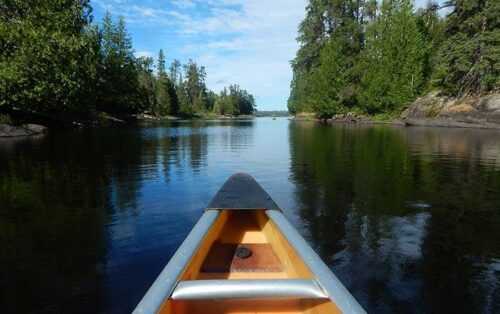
243	256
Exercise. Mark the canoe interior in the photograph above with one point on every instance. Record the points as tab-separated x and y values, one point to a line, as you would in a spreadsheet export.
272	257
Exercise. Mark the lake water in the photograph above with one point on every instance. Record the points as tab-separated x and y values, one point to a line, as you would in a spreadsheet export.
408	218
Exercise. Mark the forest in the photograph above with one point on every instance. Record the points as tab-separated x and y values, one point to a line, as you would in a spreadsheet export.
57	63
376	57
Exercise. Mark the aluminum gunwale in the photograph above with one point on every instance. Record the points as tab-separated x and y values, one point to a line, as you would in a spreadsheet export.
328	281
162	287
248	289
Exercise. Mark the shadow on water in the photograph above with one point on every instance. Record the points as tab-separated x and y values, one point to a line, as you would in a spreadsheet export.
409	219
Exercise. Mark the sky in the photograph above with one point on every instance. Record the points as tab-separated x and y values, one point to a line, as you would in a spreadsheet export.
247	42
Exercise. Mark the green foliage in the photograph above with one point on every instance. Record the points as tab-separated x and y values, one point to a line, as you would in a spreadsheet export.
48	55
330	37
5	119
119	88
167	102
469	59
234	101
329	79
147	81
378	57
195	88
392	60
55	63
431	27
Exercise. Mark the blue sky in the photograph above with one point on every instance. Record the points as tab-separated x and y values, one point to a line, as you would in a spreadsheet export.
248	42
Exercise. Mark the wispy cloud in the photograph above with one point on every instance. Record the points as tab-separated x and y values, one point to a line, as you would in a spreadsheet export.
247	42
135	13
144	53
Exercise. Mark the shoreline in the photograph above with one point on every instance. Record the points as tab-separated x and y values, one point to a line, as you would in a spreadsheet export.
431	123
431	110
9	130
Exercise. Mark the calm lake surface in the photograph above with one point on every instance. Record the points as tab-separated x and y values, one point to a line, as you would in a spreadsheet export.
408	218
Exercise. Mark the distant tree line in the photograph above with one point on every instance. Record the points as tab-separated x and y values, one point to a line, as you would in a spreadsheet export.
272	113
55	61
376	57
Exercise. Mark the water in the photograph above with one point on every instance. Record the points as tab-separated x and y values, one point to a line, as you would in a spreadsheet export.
408	218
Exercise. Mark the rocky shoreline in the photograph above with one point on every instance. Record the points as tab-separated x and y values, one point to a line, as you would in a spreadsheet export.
466	112
434	110
9	131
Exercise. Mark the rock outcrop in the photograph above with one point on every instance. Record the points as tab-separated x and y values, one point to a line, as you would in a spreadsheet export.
437	110
7	130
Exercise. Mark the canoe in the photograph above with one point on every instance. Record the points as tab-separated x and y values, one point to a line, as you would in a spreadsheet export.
243	256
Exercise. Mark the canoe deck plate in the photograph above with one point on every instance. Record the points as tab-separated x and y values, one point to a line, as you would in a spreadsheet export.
241	191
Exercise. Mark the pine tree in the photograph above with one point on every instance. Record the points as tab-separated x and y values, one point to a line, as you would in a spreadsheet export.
469	59
161	88
431	27
329	80
119	88
166	96
392	61
312	35
327	23
195	88
176	72
147	82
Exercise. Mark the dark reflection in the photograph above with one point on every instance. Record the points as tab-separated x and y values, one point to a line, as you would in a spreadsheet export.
408	218
51	224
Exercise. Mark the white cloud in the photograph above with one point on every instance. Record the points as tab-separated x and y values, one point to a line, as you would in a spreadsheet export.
250	43
144	53
135	14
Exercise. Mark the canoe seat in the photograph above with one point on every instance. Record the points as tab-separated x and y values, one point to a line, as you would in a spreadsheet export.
248	289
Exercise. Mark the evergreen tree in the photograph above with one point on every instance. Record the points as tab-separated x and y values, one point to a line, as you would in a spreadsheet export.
431	27
176	72
392	61
327	23
166	96
329	81
162	96
312	35
119	87
147	82
195	88
469	59
234	101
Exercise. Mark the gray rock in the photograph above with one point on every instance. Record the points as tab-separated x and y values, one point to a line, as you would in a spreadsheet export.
471	111
490	103
22	130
